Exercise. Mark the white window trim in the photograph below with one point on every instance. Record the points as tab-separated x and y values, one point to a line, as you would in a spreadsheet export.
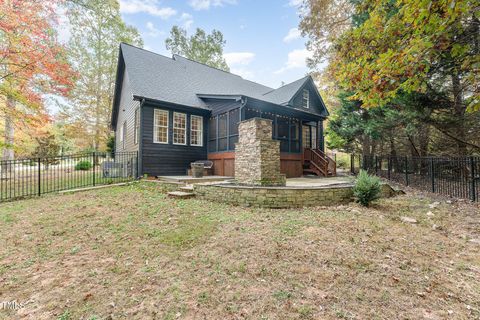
201	131
185	133
308	97
155	138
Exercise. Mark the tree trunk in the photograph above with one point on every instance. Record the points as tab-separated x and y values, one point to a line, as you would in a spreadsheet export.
8	153
459	111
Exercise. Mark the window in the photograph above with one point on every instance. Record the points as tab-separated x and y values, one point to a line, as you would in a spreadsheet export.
179	128
136	132
160	126
306	99
234	119
196	131
124	134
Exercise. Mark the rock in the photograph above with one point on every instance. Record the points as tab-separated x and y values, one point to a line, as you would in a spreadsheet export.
476	241
433	205
408	220
430	214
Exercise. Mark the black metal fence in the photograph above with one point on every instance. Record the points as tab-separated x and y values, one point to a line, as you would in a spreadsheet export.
457	177
30	177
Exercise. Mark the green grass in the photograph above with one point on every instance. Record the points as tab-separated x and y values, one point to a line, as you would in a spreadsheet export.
131	252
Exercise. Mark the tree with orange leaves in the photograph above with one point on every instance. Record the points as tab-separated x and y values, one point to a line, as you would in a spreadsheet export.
32	63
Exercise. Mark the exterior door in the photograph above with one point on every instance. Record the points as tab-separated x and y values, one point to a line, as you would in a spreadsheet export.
309	136
306	136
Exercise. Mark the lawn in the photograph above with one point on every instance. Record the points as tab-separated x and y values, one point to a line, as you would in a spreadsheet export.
131	253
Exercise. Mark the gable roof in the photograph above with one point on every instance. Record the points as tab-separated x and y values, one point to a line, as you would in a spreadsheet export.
285	93
181	81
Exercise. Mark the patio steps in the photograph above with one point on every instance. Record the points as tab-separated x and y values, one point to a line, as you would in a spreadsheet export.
181	195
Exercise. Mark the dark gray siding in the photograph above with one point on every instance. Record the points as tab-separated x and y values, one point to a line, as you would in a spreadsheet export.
169	159
126	112
315	103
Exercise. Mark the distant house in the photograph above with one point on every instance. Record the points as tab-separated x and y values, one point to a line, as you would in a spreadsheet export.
174	111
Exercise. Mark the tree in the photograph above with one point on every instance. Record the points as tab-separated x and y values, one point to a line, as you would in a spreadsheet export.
419	58
47	149
200	47
32	63
97	30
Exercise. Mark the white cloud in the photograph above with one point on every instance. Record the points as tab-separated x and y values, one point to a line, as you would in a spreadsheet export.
239	58
153	31
151	7
296	59
187	20
295	3
206	4
292	34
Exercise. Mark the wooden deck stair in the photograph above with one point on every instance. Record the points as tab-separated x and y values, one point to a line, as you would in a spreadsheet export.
316	162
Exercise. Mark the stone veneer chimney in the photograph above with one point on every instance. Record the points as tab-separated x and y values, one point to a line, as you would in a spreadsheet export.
257	155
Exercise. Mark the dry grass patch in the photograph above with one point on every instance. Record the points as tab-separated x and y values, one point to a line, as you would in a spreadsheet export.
131	253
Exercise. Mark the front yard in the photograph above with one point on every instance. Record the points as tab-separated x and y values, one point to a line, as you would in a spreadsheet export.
131	253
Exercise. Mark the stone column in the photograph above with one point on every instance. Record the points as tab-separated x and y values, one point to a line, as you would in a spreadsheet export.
257	155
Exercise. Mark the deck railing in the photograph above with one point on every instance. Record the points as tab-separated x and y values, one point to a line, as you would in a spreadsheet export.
23	178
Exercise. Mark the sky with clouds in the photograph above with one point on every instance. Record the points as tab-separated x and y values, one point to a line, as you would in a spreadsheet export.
263	41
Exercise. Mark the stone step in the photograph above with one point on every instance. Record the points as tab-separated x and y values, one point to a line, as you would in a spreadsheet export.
181	195
188	188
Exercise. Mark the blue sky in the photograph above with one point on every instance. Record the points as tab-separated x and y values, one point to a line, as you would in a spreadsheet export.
263	42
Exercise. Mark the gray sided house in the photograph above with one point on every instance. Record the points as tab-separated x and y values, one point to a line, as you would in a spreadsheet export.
174	111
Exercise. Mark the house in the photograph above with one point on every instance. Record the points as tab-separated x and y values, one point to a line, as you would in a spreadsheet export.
174	111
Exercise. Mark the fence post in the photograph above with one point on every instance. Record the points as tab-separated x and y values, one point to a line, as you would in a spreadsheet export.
432	174
472	174
138	166
406	170
39	178
93	166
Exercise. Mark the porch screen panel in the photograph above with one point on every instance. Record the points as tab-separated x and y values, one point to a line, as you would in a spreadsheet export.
212	134
222	132
234	119
294	135
282	132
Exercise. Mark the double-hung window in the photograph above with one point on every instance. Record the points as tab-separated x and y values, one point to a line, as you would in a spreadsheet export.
196	131
306	99
160	126
179	128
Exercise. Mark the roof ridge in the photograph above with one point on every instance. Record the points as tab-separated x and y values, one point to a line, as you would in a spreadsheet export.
285	85
139	48
204	64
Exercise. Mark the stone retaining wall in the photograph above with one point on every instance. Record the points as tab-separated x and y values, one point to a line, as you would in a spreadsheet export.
272	197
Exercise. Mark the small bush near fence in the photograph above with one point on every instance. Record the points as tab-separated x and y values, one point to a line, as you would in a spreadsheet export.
366	189
83	165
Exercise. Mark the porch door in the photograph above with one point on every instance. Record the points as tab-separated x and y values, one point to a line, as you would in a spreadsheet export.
306	136
309	136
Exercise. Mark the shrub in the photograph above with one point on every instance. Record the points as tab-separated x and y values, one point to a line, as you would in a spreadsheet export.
83	165
366	189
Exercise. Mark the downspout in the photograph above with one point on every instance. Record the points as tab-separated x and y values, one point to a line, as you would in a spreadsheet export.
140	141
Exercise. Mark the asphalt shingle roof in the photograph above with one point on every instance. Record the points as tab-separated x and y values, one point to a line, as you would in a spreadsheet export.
179	80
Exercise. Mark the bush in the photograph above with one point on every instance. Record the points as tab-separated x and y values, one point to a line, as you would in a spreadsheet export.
83	165
366	189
